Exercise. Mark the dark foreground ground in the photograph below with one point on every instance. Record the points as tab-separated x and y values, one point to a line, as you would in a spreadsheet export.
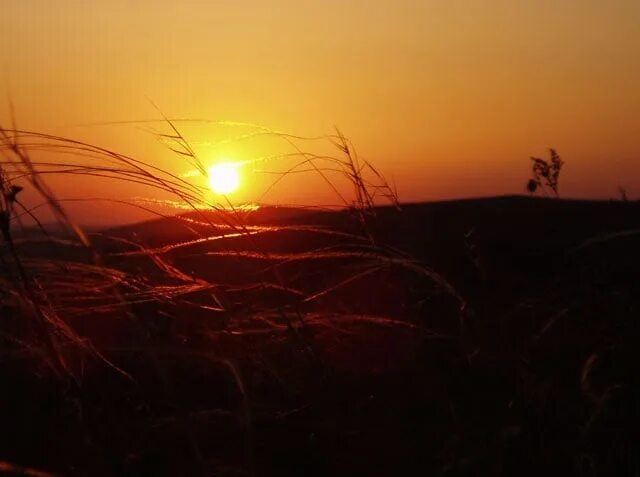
384	373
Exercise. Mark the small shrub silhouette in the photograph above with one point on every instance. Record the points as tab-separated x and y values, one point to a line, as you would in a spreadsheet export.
546	173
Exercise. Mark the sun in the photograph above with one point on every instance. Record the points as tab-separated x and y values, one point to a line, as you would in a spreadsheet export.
224	178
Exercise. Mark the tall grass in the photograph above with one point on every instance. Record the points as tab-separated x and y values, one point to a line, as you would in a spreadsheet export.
54	299
18	170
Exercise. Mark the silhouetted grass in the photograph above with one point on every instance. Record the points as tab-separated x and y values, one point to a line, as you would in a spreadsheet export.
54	300
219	341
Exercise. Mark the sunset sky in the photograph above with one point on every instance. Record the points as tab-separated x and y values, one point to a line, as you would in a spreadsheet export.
448	98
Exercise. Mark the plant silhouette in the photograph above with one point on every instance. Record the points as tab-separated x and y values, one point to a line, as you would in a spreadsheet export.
546	173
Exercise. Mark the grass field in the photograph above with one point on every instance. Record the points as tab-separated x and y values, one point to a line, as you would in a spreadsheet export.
486	336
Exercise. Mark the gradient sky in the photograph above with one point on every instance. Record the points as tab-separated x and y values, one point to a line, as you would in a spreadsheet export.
448	98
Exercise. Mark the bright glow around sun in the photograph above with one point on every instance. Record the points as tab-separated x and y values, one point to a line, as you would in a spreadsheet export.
224	178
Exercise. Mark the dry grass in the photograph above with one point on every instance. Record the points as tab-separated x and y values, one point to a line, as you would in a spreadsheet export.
55	299
141	314
71	286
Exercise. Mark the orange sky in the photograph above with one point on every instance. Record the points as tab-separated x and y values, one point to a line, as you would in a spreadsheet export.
448	98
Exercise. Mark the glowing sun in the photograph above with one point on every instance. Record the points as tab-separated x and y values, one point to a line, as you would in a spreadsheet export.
224	178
